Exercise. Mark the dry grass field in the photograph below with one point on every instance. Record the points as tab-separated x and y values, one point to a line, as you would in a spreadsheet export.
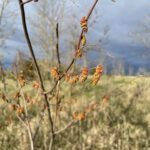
117	116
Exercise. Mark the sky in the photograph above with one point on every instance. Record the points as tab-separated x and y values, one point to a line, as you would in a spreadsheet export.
123	17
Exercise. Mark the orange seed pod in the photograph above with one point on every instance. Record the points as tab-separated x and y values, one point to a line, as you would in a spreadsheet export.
105	99
97	74
84	74
74	79
81	116
36	85
54	73
99	69
83	24
20	110
78	116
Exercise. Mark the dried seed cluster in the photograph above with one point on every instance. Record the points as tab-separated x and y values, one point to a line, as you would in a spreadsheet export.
93	106
36	85
84	74
74	79
19	109
97	74
54	73
79	116
83	24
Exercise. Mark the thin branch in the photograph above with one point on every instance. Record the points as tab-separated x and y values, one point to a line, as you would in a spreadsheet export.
79	43
29	133
28	1
57	101
59	63
25	107
23	16
81	34
57	45
51	90
66	127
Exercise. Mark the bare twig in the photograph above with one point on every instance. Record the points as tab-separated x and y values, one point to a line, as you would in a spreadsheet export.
57	45
59	63
78	46
57	101
23	16
51	90
66	127
26	123
81	34
28	1
29	132
25	107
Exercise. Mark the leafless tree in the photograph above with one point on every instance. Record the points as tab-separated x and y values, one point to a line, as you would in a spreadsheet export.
7	17
142	36
51	12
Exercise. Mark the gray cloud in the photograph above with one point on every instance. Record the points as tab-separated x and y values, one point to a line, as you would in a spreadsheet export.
123	16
